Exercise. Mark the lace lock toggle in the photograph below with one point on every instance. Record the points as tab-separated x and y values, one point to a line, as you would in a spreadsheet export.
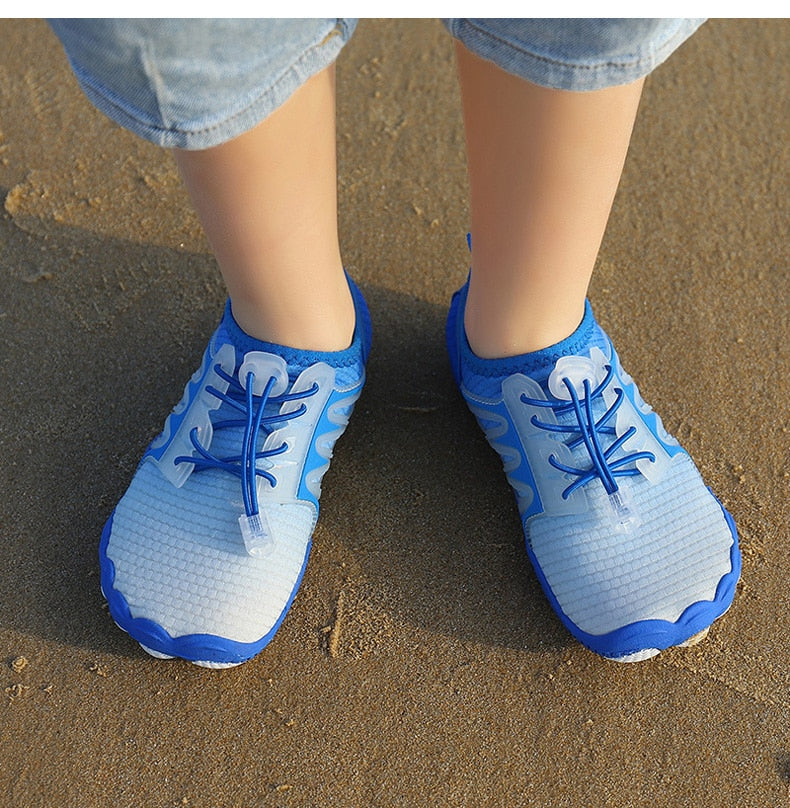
257	535
626	518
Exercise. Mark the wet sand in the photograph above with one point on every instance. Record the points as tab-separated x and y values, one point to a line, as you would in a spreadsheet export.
420	664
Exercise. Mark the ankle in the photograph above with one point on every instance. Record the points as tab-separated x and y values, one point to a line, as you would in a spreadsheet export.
315	322
512	331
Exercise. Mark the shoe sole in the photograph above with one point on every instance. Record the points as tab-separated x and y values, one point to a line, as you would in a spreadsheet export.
649	653
199	663
696	639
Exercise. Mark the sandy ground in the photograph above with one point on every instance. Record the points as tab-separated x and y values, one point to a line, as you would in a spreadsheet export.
420	664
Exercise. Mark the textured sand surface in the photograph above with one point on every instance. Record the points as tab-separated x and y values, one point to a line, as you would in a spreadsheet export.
420	664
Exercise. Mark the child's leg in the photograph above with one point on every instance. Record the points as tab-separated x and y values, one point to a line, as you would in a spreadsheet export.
633	551
279	380
544	165
268	203
205	551
262	177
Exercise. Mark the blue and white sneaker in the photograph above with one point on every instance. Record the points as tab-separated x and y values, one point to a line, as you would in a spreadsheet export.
632	549
205	551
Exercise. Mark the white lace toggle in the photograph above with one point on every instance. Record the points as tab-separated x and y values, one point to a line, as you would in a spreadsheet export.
257	534
626	517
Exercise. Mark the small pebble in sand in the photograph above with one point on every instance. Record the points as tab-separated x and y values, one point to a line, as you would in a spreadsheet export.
40	276
18	664
15	691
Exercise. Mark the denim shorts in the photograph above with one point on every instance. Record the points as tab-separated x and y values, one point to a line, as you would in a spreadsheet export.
196	83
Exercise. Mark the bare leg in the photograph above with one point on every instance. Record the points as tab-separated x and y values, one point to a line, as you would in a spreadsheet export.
543	170
268	203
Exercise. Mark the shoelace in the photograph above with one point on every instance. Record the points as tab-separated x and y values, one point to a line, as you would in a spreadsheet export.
589	431
253	523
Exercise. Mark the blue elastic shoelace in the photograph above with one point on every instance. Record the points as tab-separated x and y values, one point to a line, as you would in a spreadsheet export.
252	407
590	432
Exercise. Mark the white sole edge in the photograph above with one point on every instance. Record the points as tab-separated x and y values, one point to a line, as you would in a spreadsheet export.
648	653
199	663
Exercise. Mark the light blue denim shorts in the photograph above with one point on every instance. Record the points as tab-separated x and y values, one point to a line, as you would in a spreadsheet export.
196	83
